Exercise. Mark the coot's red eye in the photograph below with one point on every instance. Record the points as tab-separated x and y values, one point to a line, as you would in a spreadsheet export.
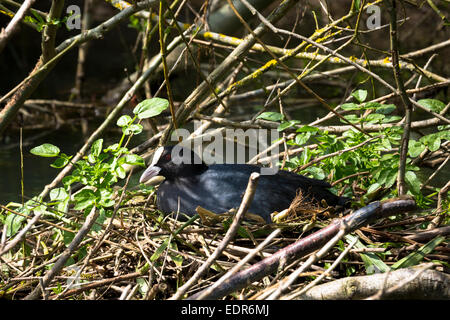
167	157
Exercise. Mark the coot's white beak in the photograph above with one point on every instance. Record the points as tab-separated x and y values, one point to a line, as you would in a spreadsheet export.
149	173
153	169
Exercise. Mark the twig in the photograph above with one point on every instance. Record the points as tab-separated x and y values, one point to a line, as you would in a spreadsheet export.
6	33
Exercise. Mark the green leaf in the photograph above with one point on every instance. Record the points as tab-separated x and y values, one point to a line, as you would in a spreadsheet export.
415	148
124	121
134	160
59	163
352	118
105	197
150	107
271	116
301	139
351	106
97	147
360	95
160	250
286	124
374	117
45	150
432	104
389	119
121	173
132	129
432	141
386	108
58	194
316	172
415	257
374	187
413	182
13	223
84	199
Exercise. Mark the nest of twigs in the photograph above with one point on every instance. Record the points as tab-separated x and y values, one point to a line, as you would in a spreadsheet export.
142	254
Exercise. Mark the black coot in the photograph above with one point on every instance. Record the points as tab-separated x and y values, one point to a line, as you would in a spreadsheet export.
190	183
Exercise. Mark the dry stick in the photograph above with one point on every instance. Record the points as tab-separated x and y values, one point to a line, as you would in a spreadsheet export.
245	204
59	264
27	87
309	244
401	186
82	50
6	33
327	271
201	91
385	292
239	265
286	68
284	285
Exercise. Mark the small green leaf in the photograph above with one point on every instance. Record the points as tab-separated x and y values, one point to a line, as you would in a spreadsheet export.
134	160
121	173
386	109
58	194
45	150
415	148
374	187
287	124
432	104
360	95
301	139
124	121
132	129
84	199
97	147
59	163
271	116
432	141
351	106
413	182
372	262
150	108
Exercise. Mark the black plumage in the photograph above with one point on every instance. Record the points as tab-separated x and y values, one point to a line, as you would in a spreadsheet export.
220	187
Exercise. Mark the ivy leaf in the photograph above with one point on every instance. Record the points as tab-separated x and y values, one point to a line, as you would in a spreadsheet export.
45	150
150	107
271	116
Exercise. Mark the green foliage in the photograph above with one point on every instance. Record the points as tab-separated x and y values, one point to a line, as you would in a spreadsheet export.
97	172
376	157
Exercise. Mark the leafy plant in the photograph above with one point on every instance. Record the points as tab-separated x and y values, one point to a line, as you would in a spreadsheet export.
97	172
